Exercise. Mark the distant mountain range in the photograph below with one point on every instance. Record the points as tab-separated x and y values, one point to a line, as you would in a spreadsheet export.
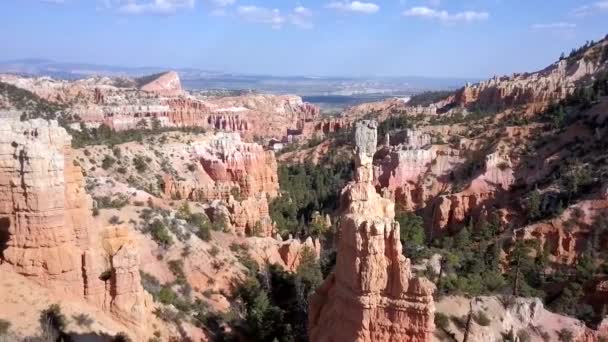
193	79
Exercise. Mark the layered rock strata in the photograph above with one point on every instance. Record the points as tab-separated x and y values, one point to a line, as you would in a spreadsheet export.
536	90
241	174
45	225
372	294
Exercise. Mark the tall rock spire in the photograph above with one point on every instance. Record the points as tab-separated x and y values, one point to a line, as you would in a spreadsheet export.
372	294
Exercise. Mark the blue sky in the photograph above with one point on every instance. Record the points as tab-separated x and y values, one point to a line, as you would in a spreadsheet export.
442	38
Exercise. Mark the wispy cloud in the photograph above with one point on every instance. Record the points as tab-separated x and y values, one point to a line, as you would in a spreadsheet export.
223	3
591	8
261	15
301	17
354	6
557	26
157	7
445	16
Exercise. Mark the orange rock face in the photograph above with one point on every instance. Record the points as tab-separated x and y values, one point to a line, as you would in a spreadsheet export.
45	223
43	204
292	249
167	84
372	295
242	174
536	90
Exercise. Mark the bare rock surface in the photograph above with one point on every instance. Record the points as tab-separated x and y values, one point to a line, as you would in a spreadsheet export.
372	295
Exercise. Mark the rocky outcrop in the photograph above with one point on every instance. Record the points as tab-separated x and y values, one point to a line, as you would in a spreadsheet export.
44	208
513	316
291	251
288	253
372	295
241	174
566	237
45	224
159	100
536	90
166	84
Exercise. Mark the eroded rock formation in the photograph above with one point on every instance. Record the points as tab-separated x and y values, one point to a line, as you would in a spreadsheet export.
45	224
372	295
166	84
536	90
244	175
159	100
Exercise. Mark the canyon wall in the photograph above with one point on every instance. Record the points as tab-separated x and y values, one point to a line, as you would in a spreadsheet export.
46	226
241	174
124	104
372	294
535	90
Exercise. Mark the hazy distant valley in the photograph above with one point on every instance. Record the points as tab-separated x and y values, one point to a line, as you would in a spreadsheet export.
331	93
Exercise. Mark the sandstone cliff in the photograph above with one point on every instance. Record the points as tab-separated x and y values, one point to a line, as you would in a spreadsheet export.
372	295
242	174
166	84
124	104
45	223
536	90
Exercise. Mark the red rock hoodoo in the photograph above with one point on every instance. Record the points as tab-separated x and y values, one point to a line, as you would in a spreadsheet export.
372	294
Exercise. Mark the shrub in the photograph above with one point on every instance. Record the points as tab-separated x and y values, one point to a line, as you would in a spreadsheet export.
105	275
459	322
114	220
52	322
160	234
503	166
107	162
442	320
482	319
117	152
113	203
177	268
95	212
214	251
565	335
237	194
524	336
166	295
83	320
202	223
121	337
150	283
4	327
140	164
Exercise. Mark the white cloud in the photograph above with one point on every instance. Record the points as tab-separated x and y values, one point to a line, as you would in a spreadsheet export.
559	25
445	16
354	6
590	8
223	3
158	7
301	17
261	15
